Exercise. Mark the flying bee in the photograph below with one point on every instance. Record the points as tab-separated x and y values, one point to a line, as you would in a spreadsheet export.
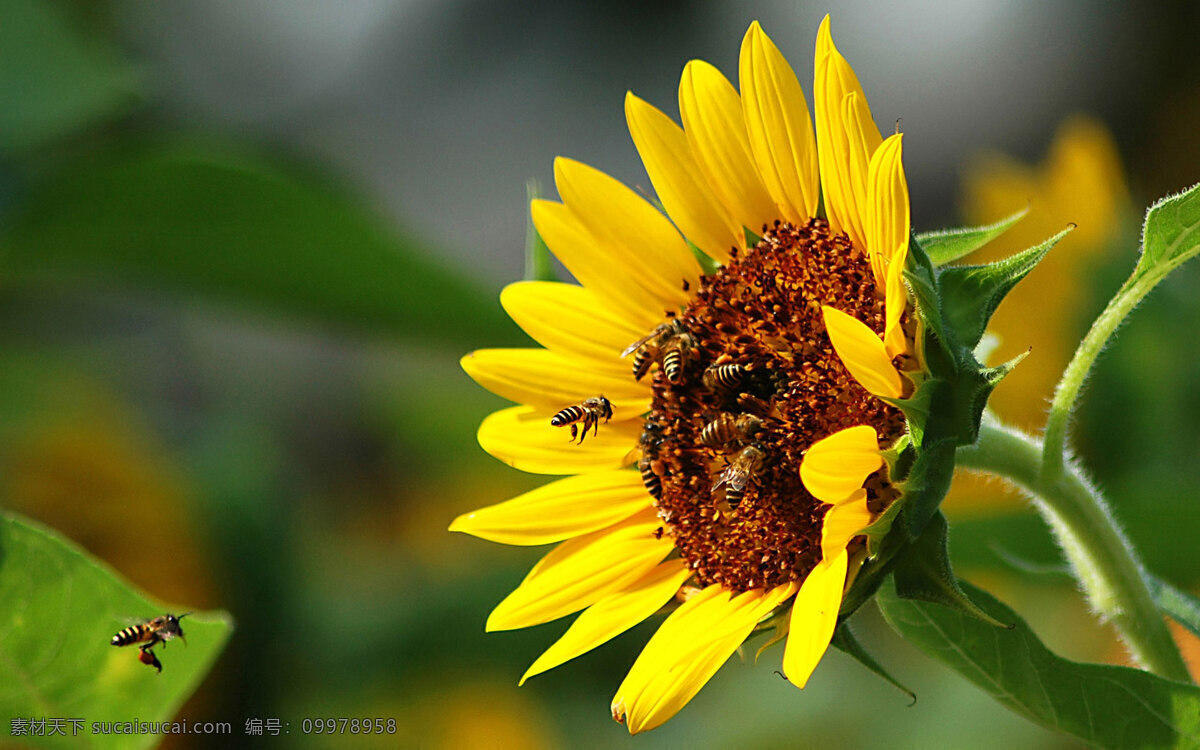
589	412
727	430
669	342
741	472
149	634
725	378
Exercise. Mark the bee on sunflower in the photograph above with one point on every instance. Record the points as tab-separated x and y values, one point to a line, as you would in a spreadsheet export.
801	375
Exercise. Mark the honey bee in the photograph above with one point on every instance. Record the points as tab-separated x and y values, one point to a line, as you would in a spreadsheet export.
669	342
649	465
727	430
741	472
149	634
589	412
724	378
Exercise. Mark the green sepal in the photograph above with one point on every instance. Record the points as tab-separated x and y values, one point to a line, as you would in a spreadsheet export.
880	527
708	264
922	280
844	641
970	294
916	407
948	245
752	238
927	484
539	263
924	574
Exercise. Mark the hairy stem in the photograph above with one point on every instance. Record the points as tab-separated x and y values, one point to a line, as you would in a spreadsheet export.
1101	557
1067	392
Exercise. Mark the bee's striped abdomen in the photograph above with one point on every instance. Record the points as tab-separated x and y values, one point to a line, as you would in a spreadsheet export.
567	416
641	362
650	478
719	432
673	364
726	377
130	635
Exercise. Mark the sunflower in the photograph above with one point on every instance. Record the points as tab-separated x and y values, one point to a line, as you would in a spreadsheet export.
763	398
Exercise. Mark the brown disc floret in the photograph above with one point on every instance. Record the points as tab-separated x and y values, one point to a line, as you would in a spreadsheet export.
758	383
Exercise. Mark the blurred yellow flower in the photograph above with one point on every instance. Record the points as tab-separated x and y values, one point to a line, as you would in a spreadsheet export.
759	435
1081	181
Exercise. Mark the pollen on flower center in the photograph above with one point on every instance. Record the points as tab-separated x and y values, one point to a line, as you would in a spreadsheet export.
759	383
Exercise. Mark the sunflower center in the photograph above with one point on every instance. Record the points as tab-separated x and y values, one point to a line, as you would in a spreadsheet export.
749	380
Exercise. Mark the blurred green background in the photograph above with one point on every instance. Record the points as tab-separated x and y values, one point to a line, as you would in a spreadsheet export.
243	244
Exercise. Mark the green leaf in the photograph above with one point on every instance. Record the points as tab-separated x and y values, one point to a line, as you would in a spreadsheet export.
237	229
1112	707
59	608
844	641
924	573
539	263
1170	235
970	294
948	245
54	80
1184	608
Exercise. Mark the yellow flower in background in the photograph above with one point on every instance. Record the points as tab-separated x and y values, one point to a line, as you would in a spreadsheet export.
1081	181
759	436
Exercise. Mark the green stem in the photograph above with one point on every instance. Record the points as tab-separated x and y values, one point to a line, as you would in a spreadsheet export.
1103	560
1065	395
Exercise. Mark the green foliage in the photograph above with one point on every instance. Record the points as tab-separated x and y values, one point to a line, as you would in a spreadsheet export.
54	79
238	229
948	245
1105	706
954	304
924	573
59	608
970	294
1171	235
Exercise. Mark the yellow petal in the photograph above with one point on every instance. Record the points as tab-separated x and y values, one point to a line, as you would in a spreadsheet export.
559	510
582	571
887	205
613	615
523	438
895	303
570	319
814	617
846	136
677	179
687	651
651	253
863	353
716	131
593	264
842	523
834	468
779	127
549	380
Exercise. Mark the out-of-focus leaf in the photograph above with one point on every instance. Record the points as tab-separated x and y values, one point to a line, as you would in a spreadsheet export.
59	608
1105	706
53	79
1184	608
948	245
1171	234
239	229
